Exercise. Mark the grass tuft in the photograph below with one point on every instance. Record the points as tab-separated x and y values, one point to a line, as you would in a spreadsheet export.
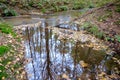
3	50
93	30
7	29
118	38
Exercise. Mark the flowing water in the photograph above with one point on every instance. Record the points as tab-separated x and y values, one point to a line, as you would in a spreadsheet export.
51	58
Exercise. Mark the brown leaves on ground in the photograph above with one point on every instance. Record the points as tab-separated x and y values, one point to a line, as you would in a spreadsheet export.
13	60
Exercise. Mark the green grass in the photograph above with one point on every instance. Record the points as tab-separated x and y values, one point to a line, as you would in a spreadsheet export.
118	38
117	22
93	29
103	18
86	25
7	29
3	73
117	8
3	50
17	65
63	8
107	38
4	62
78	5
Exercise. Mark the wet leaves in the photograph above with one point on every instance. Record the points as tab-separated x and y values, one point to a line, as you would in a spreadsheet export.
65	76
116	60
82	36
83	64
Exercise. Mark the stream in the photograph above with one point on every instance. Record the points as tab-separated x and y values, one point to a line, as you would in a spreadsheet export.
51	57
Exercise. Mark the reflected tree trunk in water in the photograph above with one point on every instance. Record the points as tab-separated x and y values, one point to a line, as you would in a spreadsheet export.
33	44
63	56
75	60
49	76
52	58
40	36
31	51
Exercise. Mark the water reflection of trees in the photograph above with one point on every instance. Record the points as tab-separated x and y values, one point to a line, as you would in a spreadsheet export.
52	57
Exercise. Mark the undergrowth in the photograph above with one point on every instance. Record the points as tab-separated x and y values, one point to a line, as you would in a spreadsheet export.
118	38
6	11
7	29
57	5
3	50
93	29
8	53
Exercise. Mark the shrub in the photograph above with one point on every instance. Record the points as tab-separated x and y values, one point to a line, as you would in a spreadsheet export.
4	11
3	6
9	12
63	8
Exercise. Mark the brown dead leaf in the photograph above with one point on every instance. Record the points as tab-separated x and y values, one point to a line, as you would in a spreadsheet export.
65	76
83	64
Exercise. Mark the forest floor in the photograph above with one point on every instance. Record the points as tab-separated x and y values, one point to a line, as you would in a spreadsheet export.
107	19
11	54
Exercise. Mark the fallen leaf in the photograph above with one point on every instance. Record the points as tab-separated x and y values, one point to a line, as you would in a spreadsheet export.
83	64
3	78
101	74
65	76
